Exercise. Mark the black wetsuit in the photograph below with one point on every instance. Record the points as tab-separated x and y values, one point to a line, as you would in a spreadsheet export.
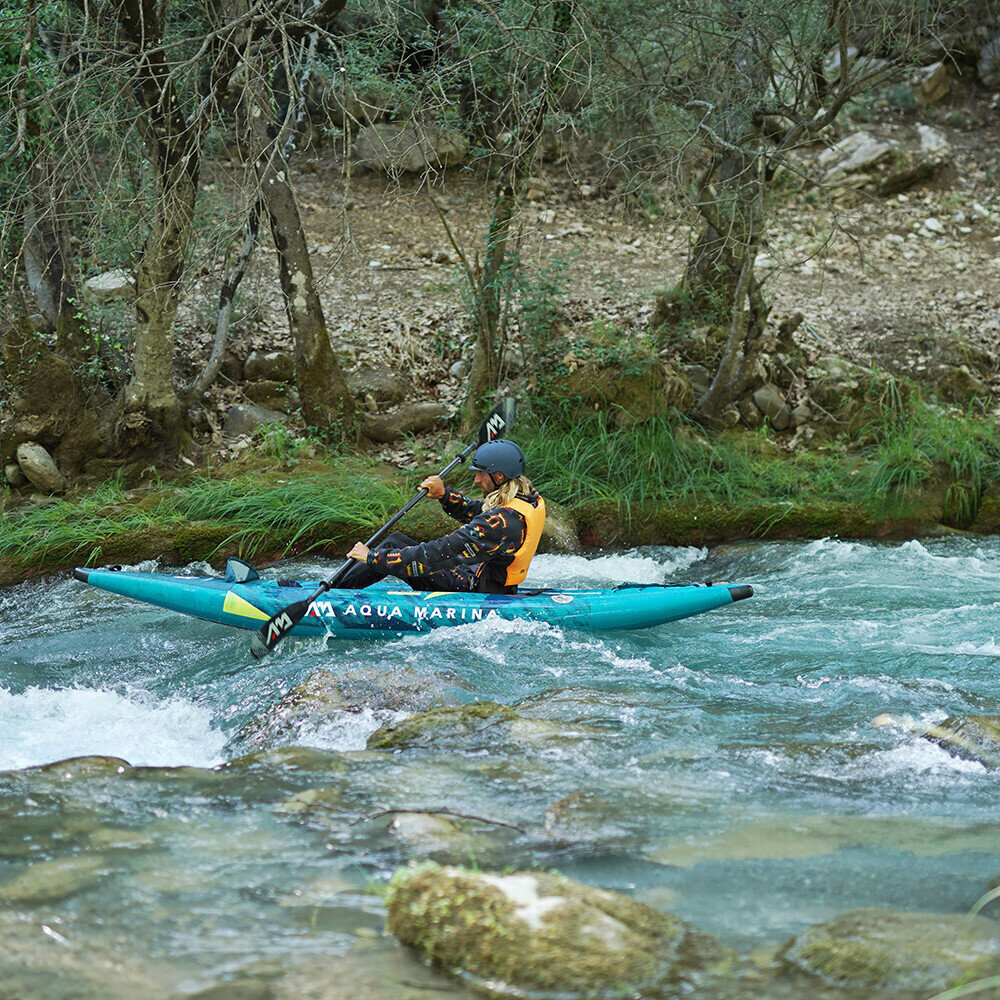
475	557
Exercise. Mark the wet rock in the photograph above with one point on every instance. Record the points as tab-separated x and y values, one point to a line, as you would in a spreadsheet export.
898	955
769	400
409	147
39	468
971	737
431	835
269	366
320	801
244	418
587	818
117	284
988	67
236	989
473	723
14	476
323	695
411	418
112	838
50	881
83	767
537	931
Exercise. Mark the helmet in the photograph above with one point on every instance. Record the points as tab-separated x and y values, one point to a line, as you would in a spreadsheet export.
499	456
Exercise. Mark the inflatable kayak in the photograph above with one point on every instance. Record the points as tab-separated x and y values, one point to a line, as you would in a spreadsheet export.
244	600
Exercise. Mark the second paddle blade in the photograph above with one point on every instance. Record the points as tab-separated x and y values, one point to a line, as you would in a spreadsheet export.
276	628
498	421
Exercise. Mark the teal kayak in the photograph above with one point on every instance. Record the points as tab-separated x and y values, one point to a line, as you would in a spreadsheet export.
243	600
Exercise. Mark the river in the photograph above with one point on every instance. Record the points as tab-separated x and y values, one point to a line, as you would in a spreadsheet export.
723	768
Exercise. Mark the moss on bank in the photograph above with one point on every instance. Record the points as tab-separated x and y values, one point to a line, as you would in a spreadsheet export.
660	481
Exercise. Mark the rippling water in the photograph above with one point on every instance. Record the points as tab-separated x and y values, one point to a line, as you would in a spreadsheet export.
730	770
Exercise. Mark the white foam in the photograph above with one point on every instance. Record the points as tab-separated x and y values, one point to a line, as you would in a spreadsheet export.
346	730
42	725
627	567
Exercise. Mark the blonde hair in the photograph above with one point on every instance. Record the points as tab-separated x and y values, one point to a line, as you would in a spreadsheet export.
503	495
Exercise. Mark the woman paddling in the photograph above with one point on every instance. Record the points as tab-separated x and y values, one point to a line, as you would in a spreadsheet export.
489	554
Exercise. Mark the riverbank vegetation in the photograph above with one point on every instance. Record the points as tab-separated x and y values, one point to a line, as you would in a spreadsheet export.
664	480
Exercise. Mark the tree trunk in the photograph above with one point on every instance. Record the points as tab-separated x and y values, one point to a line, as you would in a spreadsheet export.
327	403
152	415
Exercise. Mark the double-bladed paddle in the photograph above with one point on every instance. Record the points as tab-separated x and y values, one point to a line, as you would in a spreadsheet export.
496	423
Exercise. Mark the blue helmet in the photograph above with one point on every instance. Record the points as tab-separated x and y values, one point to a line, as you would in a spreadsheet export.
499	456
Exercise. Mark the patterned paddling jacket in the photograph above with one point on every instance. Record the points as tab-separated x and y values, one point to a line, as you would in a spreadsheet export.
483	548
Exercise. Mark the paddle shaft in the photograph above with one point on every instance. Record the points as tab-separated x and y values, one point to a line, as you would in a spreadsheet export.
332	582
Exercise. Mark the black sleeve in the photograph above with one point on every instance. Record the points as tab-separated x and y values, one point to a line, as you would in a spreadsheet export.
469	545
460	507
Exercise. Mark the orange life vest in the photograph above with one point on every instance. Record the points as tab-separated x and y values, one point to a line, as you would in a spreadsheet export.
534	520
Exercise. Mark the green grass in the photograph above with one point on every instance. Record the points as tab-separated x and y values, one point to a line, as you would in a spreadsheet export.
257	511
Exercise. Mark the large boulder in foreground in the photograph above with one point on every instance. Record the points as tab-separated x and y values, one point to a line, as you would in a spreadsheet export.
534	931
887	953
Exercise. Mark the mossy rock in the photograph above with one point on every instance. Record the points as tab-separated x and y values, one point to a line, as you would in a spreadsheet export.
543	932
971	737
894	954
426	728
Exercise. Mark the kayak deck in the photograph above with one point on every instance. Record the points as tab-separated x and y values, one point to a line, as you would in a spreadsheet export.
391	607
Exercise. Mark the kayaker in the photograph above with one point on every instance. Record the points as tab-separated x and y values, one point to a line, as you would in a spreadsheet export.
490	554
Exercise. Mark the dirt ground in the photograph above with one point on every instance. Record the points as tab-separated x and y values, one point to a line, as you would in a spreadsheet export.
874	282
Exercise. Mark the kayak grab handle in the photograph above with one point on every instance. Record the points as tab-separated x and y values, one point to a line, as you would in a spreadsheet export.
741	593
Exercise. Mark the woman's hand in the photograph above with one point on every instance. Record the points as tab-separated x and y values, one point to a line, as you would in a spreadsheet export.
434	486
359	552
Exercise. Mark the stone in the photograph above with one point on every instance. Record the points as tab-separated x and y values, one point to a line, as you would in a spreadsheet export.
51	881
988	67
410	418
244	418
972	737
852	155
432	835
273	366
801	414
460	369
475	721
749	413
932	84
700	378
933	225
323	696
235	989
525	933
14	476
116	284
932	140
273	395
39	468
729	417
409	147
231	367
771	403
894	954
387	387
957	384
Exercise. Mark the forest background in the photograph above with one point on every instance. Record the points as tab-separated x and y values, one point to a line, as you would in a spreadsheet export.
263	266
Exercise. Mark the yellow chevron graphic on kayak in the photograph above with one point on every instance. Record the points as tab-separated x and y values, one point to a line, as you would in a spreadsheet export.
236	605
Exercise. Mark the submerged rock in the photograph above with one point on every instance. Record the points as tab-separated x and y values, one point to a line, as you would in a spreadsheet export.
971	737
50	881
323	695
895	954
539	931
481	725
588	819
424	729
